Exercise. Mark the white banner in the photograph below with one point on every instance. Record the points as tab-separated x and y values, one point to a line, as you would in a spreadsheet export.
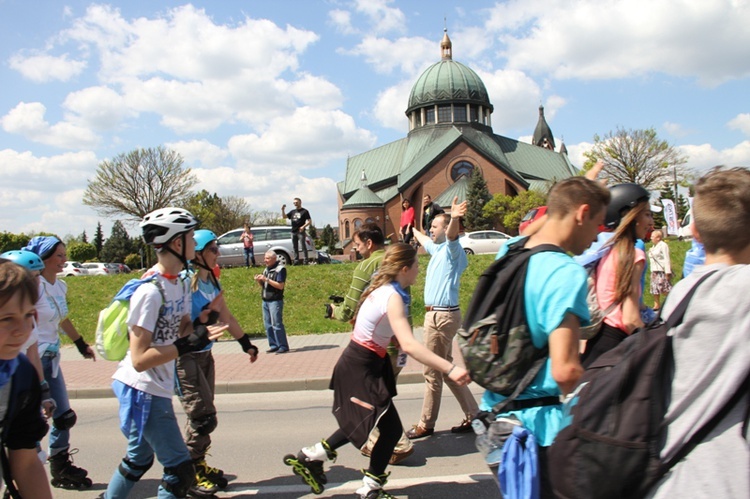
670	216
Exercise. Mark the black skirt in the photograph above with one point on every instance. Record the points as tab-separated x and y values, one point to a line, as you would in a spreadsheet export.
363	385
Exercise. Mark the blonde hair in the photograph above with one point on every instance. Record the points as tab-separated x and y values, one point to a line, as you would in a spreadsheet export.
623	242
397	256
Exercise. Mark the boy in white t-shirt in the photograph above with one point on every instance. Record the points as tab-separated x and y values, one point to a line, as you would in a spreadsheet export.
160	331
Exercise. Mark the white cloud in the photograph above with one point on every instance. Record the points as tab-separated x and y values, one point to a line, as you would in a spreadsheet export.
27	119
43	68
701	157
23	171
575	152
390	105
100	108
675	129
310	138
315	91
740	122
342	21
199	153
382	17
612	39
409	54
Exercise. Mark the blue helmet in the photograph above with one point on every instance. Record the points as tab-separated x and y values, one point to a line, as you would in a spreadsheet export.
24	258
203	238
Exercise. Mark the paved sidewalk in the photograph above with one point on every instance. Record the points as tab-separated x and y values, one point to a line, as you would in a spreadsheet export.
308	366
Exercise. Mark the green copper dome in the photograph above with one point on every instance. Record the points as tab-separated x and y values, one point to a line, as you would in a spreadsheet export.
445	82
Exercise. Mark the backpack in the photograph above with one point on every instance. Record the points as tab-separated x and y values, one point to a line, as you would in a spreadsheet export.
589	260
611	448
494	338
112	339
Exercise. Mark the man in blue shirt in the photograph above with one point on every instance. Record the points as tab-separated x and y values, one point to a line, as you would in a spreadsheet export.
443	317
555	305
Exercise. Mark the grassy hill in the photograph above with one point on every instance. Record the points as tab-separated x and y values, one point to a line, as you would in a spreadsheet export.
306	293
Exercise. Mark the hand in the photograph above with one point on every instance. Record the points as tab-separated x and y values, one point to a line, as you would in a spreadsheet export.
460	376
259	277
89	353
283	207
215	331
458	209
48	407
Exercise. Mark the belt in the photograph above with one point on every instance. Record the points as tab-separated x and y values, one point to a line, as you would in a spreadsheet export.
430	308
519	405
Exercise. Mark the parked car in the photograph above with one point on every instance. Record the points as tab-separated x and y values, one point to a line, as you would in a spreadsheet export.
277	238
483	241
531	216
71	269
685	231
114	268
97	268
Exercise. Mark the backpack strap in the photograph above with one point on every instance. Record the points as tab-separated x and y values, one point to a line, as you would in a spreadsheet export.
675	318
5	392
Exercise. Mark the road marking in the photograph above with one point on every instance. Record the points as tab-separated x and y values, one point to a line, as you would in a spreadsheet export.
352	486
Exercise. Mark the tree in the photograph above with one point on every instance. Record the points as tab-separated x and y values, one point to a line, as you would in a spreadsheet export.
477	196
637	156
139	182
81	252
83	238
328	237
11	242
118	246
313	232
219	214
509	210
98	238
681	205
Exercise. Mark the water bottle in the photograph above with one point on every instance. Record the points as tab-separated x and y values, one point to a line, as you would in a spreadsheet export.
482	440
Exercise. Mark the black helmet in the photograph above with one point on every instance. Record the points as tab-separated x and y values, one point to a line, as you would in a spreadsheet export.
624	197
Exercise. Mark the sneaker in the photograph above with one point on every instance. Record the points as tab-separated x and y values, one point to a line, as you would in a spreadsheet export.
282	350
203	487
272	350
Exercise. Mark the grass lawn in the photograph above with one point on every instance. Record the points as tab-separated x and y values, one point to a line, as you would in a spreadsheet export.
306	293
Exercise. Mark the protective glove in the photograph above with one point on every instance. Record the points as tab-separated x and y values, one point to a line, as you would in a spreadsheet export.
194	342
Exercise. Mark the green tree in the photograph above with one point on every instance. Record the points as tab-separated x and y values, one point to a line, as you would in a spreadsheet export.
681	205
637	156
118	246
328	237
477	196
219	214
83	238
11	242
81	252
509	210
98	238
138	182
133	261
313	232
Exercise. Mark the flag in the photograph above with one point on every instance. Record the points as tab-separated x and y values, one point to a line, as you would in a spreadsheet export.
670	216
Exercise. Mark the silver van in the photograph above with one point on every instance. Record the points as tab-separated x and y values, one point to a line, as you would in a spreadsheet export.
277	238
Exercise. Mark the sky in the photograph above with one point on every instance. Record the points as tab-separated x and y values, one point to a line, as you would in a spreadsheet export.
266	100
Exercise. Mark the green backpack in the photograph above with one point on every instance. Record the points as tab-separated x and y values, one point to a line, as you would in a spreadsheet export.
112	339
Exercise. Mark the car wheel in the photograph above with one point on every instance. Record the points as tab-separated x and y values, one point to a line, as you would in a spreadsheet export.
283	258
468	251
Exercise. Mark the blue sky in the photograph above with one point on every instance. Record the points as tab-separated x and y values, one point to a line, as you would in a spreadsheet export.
266	100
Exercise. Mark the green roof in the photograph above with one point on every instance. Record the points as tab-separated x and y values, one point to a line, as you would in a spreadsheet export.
364	197
460	188
448	81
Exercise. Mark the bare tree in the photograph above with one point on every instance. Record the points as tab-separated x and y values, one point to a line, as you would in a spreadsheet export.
637	156
139	182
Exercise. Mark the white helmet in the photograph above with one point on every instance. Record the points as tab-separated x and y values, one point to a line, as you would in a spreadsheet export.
161	226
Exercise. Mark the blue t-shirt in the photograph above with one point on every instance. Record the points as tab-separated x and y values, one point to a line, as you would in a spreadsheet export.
555	286
447	262
204	295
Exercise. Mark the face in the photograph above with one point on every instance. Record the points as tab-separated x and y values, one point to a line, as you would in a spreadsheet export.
588	229
190	245
410	276
269	259
405	204
437	230
297	203
361	247
656	237
16	322
210	254
427	200
645	223
56	262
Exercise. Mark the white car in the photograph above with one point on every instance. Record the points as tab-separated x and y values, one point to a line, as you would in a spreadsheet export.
71	269
483	241
98	268
685	231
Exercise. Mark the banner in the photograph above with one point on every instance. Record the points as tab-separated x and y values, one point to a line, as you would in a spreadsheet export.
670	216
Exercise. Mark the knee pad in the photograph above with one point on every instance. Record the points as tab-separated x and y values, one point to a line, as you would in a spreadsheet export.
204	425
185	475
143	468
66	420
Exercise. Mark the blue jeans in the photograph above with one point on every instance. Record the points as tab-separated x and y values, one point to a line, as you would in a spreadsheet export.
274	324
249	255
161	436
59	440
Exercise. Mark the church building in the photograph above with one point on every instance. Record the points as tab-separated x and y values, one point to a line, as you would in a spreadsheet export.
450	135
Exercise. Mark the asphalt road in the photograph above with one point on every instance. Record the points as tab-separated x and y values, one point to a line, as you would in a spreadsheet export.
256	430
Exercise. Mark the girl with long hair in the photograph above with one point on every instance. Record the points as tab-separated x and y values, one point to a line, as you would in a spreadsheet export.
618	274
363	380
407	221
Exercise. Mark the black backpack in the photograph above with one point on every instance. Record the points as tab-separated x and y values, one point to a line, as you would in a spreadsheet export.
494	339
611	448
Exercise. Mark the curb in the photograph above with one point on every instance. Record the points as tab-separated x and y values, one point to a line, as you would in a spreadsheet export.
235	387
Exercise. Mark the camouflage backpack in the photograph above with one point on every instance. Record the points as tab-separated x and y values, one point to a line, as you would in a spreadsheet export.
495	339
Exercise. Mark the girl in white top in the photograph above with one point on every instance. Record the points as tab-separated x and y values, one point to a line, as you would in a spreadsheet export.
363	380
661	268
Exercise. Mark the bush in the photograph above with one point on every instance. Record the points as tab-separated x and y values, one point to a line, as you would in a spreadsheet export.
133	261
81	252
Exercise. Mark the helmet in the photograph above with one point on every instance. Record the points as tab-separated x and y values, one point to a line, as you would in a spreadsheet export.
161	226
24	258
624	197
203	238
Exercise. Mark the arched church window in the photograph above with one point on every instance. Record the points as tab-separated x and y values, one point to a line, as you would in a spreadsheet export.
346	230
357	224
460	169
